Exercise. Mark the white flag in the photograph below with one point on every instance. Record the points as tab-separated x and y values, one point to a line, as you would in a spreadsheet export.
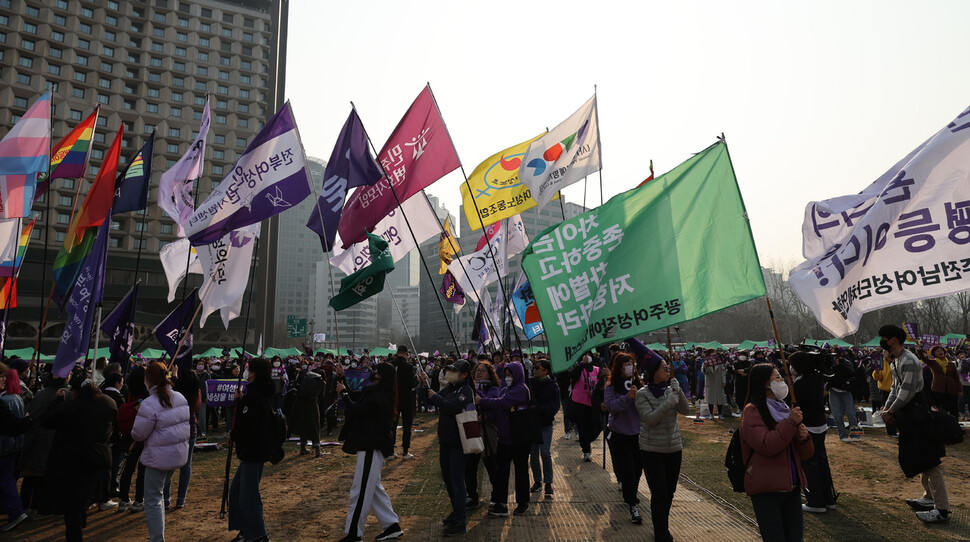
904	238
175	185
498	317
226	262
477	270
394	230
174	257
565	155
9	239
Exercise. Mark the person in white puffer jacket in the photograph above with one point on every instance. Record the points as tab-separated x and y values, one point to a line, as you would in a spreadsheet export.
163	424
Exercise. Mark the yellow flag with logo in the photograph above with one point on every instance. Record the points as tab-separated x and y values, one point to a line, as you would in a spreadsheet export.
498	192
447	246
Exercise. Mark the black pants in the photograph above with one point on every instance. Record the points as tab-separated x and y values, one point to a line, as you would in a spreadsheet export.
947	402
779	516
890	427
507	456
471	474
625	450
132	464
587	423
662	471
820	491
406	417
74	522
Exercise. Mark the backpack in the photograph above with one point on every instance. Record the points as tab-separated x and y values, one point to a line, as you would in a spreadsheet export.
278	436
735	463
126	417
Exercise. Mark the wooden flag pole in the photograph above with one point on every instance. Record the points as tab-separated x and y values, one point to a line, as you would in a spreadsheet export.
333	292
414	237
781	351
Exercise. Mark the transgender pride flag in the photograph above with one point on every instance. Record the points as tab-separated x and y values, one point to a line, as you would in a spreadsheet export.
24	152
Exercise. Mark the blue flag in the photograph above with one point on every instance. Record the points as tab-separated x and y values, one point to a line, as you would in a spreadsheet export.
120	326
270	177
87	293
351	164
131	187
525	307
176	324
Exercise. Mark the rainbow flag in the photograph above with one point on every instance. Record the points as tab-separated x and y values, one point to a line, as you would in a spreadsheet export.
8	292
69	159
10	267
83	229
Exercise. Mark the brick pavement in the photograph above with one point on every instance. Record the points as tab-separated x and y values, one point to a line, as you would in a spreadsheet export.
588	506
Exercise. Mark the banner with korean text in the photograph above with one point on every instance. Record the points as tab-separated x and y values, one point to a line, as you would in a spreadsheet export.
494	188
673	250
903	238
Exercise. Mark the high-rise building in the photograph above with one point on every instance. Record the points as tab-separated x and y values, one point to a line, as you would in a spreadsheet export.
150	65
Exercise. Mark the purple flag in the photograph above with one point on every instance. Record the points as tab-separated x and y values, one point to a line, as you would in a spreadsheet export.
87	293
176	324
350	165
451	290
120	326
912	330
270	177
930	340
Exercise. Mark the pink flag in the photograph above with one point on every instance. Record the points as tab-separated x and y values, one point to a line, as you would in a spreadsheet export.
418	153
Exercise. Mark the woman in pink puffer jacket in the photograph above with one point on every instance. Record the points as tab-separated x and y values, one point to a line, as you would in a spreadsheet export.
163	424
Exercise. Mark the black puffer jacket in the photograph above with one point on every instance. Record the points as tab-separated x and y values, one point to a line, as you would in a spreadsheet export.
253	423
451	401
545	394
369	422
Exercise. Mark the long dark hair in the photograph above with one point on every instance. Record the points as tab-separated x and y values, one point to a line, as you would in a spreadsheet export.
758	378
616	373
187	384
157	375
136	383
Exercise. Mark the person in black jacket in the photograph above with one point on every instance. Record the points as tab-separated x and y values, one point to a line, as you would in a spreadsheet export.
545	393
368	431
453	399
406	382
840	398
809	391
305	420
250	435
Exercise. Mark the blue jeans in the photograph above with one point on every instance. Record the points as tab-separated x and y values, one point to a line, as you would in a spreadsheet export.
245	503
185	474
155	481
543	450
451	457
842	405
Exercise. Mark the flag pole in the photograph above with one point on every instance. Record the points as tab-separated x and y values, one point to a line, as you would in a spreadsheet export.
323	227
47	231
13	284
249	302
414	237
505	297
398	307
781	351
599	146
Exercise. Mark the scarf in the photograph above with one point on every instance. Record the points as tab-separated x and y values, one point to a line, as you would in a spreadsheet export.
943	363
779	409
657	389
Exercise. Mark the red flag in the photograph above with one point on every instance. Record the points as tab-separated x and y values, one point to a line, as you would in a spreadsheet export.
418	153
100	196
648	179
6	293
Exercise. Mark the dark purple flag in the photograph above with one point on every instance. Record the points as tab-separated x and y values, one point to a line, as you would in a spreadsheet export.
176	324
351	164
120	326
87	293
451	290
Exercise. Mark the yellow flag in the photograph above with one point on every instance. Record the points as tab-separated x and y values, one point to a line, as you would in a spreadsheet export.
447	246
498	191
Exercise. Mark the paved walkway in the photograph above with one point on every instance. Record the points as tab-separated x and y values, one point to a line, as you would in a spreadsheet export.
589	506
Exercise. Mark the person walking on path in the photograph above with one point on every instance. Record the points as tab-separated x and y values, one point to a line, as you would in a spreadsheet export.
583	377
406	383
624	424
306	411
513	449
368	432
919	451
545	391
774	443
162	424
486	384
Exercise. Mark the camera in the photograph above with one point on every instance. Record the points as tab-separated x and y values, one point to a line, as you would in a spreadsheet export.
809	359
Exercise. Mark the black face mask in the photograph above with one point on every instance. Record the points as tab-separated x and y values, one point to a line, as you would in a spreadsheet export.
884	344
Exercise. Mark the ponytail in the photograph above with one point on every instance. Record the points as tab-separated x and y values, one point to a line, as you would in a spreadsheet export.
157	375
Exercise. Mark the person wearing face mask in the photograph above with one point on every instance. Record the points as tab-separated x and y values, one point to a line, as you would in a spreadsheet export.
774	443
453	399
715	376
945	385
624	424
201	419
407	381
809	387
583	377
305	421
512	448
741	366
278	374
486	384
545	391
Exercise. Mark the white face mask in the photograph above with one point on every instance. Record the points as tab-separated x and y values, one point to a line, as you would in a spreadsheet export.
353	365
200	367
451	377
742	358
215	367
628	372
587	359
780	389
508	381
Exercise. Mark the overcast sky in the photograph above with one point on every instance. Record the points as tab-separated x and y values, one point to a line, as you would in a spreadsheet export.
816	99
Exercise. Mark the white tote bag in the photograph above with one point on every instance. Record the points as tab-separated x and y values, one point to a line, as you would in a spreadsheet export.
470	431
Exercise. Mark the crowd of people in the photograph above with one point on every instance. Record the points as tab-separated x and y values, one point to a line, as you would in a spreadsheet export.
80	442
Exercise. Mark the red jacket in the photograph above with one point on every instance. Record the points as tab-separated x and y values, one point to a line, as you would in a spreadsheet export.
769	469
949	383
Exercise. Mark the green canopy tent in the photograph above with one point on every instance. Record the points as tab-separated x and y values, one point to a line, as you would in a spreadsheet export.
945	340
381	351
749	344
712	344
281	352
657	346
871	343
153	353
103	352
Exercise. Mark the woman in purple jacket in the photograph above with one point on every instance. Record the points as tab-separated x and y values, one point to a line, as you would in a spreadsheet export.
163	424
624	423
512	449
486	384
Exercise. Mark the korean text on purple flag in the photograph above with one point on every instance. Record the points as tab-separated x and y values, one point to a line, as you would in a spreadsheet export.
222	392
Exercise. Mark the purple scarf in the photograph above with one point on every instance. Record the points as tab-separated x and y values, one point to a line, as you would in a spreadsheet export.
657	389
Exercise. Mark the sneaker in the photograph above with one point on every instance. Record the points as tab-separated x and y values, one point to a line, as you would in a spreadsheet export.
350	538
123	506
587	457
109	505
521	509
535	487
549	491
394	531
12	524
619	486
928	516
448	521
471	504
921	504
179	505
406	457
454	529
137	506
567	436
830	506
814	510
845	439
576	436
392	456
499	511
34	515
635	517
263	539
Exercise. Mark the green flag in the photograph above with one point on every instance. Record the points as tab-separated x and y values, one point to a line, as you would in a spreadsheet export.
368	280
672	250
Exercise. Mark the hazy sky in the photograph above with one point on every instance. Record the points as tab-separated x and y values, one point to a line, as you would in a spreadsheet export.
816	99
